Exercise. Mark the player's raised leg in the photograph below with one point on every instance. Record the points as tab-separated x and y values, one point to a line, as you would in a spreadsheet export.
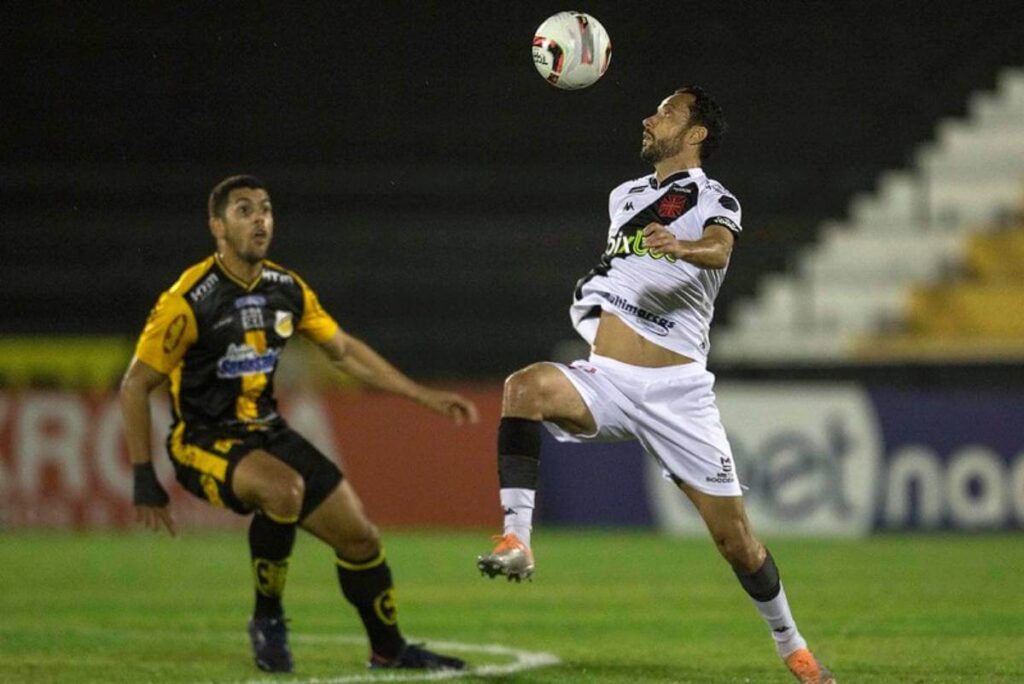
534	394
276	491
365	580
726	519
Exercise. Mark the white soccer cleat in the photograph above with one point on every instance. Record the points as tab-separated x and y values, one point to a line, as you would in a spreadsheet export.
511	557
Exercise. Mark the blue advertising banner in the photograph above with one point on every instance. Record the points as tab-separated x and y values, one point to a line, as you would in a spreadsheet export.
954	460
829	460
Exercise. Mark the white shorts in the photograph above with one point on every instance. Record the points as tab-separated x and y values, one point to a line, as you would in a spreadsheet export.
670	411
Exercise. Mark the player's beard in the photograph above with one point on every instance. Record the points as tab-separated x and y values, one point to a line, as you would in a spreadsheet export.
248	251
657	150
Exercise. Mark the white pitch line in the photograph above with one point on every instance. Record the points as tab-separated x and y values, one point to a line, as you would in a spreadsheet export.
523	660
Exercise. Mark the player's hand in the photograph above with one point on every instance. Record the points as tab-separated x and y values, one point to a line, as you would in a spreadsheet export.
150	499
459	409
155	517
658	238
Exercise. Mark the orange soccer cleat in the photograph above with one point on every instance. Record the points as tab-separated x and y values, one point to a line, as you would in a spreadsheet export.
511	557
807	669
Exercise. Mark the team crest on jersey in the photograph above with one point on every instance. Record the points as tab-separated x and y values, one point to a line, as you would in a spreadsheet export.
672	205
284	324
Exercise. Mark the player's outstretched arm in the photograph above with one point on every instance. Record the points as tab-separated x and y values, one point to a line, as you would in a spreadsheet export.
712	251
353	356
150	498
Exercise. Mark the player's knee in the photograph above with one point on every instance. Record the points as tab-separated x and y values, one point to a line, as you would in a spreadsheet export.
283	499
739	548
529	390
363	544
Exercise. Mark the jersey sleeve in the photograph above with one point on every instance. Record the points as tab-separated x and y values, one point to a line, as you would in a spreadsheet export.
722	209
170	330
316	323
615	195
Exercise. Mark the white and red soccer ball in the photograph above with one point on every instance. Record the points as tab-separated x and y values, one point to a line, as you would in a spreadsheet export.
571	50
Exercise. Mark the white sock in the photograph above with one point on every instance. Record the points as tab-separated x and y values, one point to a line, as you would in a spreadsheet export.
518	506
780	619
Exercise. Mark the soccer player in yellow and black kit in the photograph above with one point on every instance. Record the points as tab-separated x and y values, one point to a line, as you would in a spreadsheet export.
216	335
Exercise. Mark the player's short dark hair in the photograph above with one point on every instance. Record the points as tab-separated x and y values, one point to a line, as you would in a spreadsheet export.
219	195
706	111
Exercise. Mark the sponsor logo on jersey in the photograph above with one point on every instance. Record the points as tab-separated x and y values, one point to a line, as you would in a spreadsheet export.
284	323
277	277
241	360
621	245
723	221
174	333
628	207
252	319
637	188
204	288
250	300
659	325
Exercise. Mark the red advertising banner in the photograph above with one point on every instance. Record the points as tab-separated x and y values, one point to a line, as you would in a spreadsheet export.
64	464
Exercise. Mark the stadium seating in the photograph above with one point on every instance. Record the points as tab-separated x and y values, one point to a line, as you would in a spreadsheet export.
500	225
884	281
975	315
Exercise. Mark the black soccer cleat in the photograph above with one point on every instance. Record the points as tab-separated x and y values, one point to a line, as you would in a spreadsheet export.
415	657
269	637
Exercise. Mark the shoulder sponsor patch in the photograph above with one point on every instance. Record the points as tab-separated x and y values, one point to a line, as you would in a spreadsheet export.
723	221
729	203
174	333
638	188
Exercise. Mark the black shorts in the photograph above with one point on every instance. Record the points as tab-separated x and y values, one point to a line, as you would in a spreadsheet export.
205	461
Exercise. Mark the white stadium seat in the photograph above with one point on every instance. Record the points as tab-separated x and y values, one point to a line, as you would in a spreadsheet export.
912	230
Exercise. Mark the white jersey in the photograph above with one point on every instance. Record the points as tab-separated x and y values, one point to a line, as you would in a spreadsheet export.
665	300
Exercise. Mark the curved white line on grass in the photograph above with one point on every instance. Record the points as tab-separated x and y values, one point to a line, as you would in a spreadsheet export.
522	660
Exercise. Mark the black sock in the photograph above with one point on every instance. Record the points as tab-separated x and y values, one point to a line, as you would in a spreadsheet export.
367	585
518	453
764	584
270	545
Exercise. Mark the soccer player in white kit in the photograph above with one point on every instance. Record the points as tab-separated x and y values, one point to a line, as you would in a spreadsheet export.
646	310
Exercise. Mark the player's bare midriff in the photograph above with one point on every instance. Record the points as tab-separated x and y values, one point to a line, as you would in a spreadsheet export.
618	341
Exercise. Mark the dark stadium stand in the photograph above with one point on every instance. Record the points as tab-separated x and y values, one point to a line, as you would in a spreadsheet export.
444	219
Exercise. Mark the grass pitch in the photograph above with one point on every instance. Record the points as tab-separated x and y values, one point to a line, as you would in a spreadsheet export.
613	607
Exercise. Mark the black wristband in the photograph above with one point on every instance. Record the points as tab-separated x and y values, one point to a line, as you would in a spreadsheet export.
147	490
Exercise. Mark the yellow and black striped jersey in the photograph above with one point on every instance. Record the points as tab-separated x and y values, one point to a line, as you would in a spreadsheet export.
219	340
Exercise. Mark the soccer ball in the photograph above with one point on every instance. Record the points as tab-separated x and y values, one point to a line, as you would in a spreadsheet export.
571	50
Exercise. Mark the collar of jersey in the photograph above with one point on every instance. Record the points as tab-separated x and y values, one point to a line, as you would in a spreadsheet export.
235	279
673	177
